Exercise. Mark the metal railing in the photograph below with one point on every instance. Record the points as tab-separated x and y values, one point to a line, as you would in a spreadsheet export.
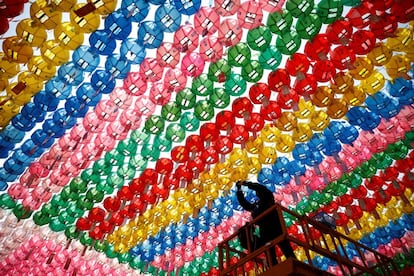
312	238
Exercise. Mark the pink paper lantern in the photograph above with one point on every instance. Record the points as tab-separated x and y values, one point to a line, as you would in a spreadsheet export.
175	79
186	38
250	15
134	84
150	70
230	32
206	21
211	49
192	64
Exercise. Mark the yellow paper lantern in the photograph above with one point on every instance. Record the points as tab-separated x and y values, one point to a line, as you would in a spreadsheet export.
267	155
253	165
53	53
43	14
380	55
254	145
355	96
373	83
4	82
398	67
238	157
16	50
302	132
269	133
63	5
287	121
402	40
8	69
87	23
319	120
238	174
285	143
69	35
322	96
342	82
337	109
305	109
42	69
31	32
223	168
362	68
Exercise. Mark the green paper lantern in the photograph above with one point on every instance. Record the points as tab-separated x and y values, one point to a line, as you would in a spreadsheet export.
50	209
136	263
101	167
259	38
104	187
154	124
271	58
280	23
88	176
100	246
235	85
94	195
288	43
126	172
299	7
171	112
308	26
162	143
124	258
71	232
381	160
397	150
110	252
329	10
77	185
252	72
65	219
219	71
56	225
84	204
175	133
40	218
202	85
149	152
366	170
220	98
204	110
137	162
189	121
6	201
115	181
140	137
186	99
351	3
127	147
85	239
239	54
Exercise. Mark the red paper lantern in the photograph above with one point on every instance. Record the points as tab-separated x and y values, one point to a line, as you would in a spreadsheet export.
339	32
318	48
271	111
297	63
360	16
223	145
362	42
323	70
342	57
209	132
259	93
242	107
225	120
278	79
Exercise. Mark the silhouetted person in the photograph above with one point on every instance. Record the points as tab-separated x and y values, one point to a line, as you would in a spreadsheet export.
269	226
